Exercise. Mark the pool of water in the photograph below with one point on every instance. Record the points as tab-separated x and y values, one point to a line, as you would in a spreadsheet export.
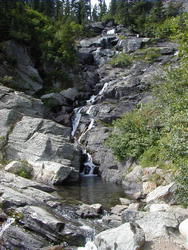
92	189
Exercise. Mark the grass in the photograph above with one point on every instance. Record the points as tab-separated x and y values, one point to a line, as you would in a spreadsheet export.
122	60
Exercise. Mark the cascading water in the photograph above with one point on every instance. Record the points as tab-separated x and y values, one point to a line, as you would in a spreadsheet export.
76	120
89	166
6	225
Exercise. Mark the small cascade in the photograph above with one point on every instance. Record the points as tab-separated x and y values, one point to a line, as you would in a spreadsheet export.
103	88
76	120
89	166
6	225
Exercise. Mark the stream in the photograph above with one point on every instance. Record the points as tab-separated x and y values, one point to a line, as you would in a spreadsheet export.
89	168
91	190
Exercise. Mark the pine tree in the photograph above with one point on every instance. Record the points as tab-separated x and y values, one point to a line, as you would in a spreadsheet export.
95	16
113	7
102	8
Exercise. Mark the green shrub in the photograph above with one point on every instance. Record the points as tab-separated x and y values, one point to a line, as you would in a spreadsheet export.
148	55
182	183
122	60
23	172
134	133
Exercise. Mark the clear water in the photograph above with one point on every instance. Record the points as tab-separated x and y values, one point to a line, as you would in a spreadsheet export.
90	190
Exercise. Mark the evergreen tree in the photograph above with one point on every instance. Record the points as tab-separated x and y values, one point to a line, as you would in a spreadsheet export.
82	10
113	7
102	8
95	16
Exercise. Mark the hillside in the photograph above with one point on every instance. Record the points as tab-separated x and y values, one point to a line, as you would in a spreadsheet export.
93	107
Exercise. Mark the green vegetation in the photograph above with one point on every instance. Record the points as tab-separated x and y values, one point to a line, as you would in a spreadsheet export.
141	16
25	170
148	55
156	134
24	173
122	60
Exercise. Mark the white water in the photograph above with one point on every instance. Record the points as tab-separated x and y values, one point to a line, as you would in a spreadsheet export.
76	121
103	89
89	110
89	246
89	163
6	225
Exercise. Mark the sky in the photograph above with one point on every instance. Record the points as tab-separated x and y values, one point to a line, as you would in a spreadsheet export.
93	2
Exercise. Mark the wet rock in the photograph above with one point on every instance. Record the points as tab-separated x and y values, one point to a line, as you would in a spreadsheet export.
162	193
17	238
90	211
39	220
128	236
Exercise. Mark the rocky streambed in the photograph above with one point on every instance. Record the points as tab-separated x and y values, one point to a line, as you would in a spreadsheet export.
47	142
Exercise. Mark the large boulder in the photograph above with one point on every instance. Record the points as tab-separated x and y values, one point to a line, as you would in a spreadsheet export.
154	224
128	236
162	193
13	104
26	76
90	211
41	221
17	238
45	145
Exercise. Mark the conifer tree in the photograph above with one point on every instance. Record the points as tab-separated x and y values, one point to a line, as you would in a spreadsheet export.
95	13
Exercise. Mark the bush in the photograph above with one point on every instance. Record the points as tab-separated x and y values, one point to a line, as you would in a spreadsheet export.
148	55
134	133
182	183
122	60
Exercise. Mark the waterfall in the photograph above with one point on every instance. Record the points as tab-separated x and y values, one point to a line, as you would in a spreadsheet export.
6	225
76	120
89	166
